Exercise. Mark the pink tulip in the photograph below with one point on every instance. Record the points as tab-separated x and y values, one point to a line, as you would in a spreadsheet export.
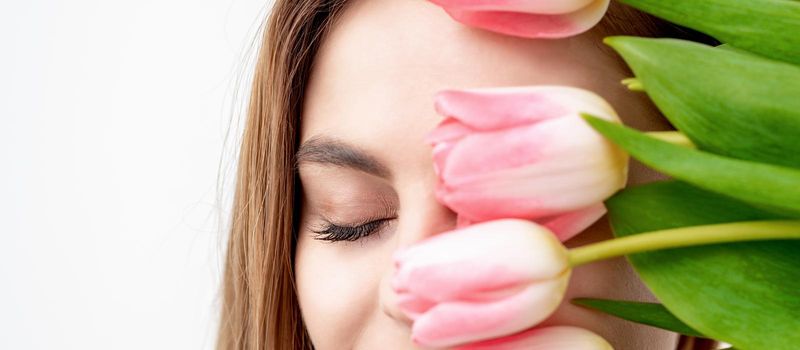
525	152
480	282
528	18
551	338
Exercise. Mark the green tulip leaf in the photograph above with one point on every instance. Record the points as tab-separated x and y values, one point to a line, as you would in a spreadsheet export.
651	314
767	27
746	294
727	102
767	186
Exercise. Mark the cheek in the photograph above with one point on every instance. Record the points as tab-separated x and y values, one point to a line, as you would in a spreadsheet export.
337	288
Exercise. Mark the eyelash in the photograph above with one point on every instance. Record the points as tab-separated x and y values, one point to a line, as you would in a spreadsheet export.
336	233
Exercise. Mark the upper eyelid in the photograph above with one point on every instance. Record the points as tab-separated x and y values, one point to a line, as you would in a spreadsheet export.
360	223
386	208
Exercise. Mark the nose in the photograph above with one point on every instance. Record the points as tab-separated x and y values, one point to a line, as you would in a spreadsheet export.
422	216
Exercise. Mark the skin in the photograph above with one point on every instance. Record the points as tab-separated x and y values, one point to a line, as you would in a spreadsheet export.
372	88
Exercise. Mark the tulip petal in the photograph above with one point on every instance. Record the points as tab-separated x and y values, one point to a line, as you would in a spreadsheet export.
439	154
484	153
570	224
531	6
498	108
448	130
569	166
477	154
462	222
549	338
494	108
459	322
533	25
413	306
478	259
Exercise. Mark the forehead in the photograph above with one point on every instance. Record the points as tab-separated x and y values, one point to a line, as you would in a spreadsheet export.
376	73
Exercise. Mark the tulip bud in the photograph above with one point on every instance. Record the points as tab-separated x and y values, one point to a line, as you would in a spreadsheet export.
550	338
525	152
480	282
528	18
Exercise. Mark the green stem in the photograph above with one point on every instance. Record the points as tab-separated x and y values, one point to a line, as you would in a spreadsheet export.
684	237
675	137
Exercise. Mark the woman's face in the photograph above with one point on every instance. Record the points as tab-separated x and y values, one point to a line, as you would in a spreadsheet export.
368	105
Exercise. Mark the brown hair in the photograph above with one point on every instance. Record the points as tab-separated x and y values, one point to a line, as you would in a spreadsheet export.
259	305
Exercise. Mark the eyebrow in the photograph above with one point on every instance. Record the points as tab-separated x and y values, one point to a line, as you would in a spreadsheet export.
329	151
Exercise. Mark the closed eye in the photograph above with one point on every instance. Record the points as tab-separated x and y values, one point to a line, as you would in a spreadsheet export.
350	232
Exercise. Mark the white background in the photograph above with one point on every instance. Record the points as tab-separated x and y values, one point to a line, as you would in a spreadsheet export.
113	125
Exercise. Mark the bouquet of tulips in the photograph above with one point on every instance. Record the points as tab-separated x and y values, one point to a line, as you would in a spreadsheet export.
717	244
